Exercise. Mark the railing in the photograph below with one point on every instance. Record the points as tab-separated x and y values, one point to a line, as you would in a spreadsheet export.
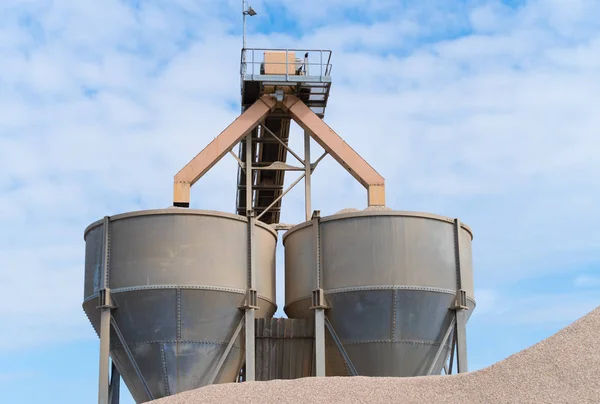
252	62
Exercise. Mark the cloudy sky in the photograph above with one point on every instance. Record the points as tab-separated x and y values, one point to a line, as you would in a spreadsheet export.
482	110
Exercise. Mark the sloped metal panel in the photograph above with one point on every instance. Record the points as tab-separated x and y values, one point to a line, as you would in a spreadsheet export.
174	352
385	332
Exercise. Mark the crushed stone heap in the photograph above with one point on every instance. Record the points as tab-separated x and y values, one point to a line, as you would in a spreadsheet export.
564	368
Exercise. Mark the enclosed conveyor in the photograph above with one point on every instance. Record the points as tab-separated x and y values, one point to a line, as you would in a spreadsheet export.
176	280
262	72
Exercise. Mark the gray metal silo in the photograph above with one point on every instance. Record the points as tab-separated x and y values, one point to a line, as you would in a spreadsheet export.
177	279
390	281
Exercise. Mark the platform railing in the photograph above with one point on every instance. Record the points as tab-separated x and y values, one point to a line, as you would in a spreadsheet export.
318	63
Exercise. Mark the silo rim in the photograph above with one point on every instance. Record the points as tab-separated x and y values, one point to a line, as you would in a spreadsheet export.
400	213
178	211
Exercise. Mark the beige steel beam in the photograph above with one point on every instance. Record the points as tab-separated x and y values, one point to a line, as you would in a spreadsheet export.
340	150
220	146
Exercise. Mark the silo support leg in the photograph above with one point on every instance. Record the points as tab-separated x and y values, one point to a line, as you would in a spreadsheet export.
103	383
318	299
115	385
105	306
461	341
452	351
445	368
250	346
320	342
460	306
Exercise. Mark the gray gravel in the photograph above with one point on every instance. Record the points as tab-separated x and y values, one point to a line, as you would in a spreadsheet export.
367	209
564	368
376	208
347	210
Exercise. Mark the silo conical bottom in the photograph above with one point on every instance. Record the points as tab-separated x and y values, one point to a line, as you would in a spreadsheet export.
176	336
386	332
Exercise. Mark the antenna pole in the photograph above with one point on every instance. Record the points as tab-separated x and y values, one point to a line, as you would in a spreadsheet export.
244	26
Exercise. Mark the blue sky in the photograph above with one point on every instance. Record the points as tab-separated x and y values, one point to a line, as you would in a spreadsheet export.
483	110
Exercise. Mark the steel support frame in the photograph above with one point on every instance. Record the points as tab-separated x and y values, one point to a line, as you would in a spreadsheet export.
292	185
307	177
281	142
109	389
105	306
339	150
332	143
441	347
460	310
243	126
251	303
319	304
340	347
308	169
114	389
103	376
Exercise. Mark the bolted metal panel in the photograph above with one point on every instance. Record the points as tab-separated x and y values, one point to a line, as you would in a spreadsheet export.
147	355
190	364
177	280
183	247
390	281
415	323
284	348
93	261
373	359
210	314
378	248
466	262
299	255
146	315
169	364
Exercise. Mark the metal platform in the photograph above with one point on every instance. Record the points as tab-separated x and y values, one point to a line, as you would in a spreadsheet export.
307	75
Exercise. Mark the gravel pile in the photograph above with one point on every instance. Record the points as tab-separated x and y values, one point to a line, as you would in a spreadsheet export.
564	368
367	209
347	210
376	208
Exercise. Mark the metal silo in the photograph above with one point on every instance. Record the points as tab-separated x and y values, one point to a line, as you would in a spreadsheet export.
177	279
373	293
390	281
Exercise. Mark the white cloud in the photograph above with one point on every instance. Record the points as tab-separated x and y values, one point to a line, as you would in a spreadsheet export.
12	377
488	301
587	281
533	310
498	127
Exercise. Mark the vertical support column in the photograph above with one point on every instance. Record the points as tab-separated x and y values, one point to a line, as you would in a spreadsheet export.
103	382
320	342
318	299
105	306
307	173
461	341
251	296
460	307
115	385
